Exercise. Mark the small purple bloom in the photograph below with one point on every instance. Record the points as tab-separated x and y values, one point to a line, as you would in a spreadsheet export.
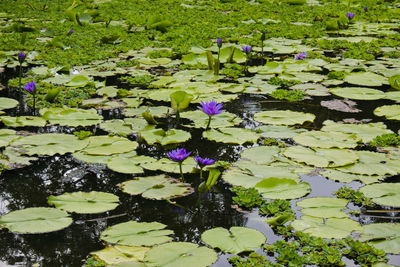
70	32
300	56
30	87
211	108
203	162
179	154
219	42
247	49
21	57
350	15
365	9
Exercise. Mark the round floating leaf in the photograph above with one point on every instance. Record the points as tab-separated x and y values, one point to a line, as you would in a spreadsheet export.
326	139
371	163
35	220
71	116
278	131
78	81
323	207
23	121
180	100
385	236
231	135
358	93
282	188
385	194
200	119
395	96
390	112
349	177
7	103
326	228
235	240
129	164
118	254
177	254
108	145
166	165
261	154
126	127
156	187
49	144
394	81
365	79
137	234
162	137
283	117
6	136
321	157
85	202
366	132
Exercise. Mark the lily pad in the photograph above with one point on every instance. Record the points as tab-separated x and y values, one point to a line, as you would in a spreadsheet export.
177	254
326	139
118	254
261	154
385	194
162	137
282	188
6	136
132	164
134	233
200	119
156	187
23	121
278	131
391	112
231	135
126	127
49	144
85	202
235	240
321	157
283	117
71	116
108	145
324	207
166	165
350	177
35	220
358	93
7	103
385	236
326	228
365	79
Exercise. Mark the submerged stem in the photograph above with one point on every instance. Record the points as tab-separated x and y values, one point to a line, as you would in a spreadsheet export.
201	174
20	77
180	169
209	121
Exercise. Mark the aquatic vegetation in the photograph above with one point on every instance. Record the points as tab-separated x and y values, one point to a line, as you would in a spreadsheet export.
354	196
211	108
179	155
289	95
31	89
202	162
300	56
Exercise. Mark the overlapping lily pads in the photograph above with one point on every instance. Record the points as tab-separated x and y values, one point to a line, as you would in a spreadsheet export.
385	194
108	145
365	79
282	188
344	177
156	187
358	93
391	112
200	119
120	254
172	136
231	135
324	207
385	236
23	121
326	139
71	116
283	117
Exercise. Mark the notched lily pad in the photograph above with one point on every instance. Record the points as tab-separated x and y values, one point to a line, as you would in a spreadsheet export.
71	116
172	136
7	103
282	188
23	121
390	112
119	254
326	139
324	207
385	236
283	117
108	145
385	194
231	135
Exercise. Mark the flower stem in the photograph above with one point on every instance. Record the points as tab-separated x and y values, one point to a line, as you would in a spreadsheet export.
34	105
180	169
178	117
201	174
208	124
20	77
219	49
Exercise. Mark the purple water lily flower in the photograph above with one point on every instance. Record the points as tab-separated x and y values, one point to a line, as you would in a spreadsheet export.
21	57
219	42
247	49
365	9
350	15
30	87
300	56
179	154
71	31
211	108
203	161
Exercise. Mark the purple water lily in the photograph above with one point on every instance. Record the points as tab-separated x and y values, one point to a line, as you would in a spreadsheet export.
246	49
30	87
219	42
179	155
211	108
350	15
71	31
203	161
365	9
21	57
300	56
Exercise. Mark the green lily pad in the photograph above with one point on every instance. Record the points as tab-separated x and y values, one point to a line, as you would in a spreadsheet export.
321	157
7	103
283	117
6	136
35	220
324	207
261	154
177	254
109	91
391	112
12	157
385	194
108	145
326	139
49	144
235	240
231	135
85	202
162	137
365	79
156	187
128	164
278	131
350	177
126	127
78	81
366	132
358	93
385	236
200	119
395	96
132	102
134	233
71	116
282	188
118	254
326	228
166	165
371	163
23	121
